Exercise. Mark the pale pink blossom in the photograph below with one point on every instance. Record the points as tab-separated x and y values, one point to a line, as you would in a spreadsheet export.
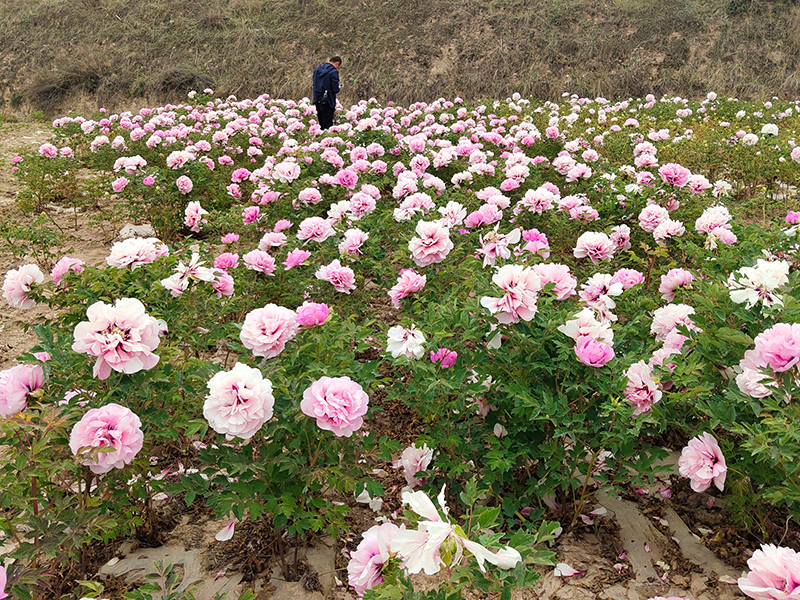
652	216
673	280
337	403
774	573
309	196
433	244
272	239
702	462
258	260
586	324
713	217
488	214
222	283
15	385
267	330
107	438
342	278
628	278
778	347
413	460
350	246
250	214
311	314
667	318
286	171
119	183
675	174
364	571
122	337
559	275
184	184
594	245
239	402
668	228
17	284
408	282
63	266
193	216
316	229
295	258
136	252
642	391
522	286
621	237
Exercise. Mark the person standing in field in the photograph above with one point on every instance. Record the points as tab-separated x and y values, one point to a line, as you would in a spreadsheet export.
326	86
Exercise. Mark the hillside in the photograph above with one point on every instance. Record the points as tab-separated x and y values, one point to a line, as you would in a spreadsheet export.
54	51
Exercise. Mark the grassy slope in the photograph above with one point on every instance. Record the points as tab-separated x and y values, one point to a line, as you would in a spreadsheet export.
403	50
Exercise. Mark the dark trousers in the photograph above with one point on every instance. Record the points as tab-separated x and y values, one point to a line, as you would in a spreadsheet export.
325	115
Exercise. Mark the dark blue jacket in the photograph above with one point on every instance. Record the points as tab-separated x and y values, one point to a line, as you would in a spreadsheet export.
326	84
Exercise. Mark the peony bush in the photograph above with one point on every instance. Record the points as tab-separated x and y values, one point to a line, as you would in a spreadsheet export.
550	287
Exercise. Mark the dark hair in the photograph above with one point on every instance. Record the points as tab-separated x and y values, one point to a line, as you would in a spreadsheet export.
336	59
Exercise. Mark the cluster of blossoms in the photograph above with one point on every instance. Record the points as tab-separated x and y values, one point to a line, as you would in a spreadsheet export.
420	549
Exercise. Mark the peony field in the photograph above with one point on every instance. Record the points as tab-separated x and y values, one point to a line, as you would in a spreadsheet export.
443	337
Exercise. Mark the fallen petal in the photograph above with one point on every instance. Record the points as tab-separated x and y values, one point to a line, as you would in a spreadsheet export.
226	533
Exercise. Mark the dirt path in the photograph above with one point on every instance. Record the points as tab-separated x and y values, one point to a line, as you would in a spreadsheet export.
84	242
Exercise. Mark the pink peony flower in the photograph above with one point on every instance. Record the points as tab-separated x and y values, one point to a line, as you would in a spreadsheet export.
230	238
316	229
309	196
642	392
592	352
667	318
338	404
193	216
250	214
15	385
226	260
522	286
109	427
433	244
366	562
668	228
311	314
64	265
136	252
350	246
295	258
675	174
627	277
267	330
122	337
774	573
184	184
222	283
444	357
413	460
342	278
779	346
672	280
537	243
408	282
596	246
258	260
239	402
702	462
621	237
559	275
652	216
713	217
272	239
119	183
18	283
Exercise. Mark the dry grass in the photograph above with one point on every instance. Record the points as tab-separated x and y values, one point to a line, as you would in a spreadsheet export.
402	50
